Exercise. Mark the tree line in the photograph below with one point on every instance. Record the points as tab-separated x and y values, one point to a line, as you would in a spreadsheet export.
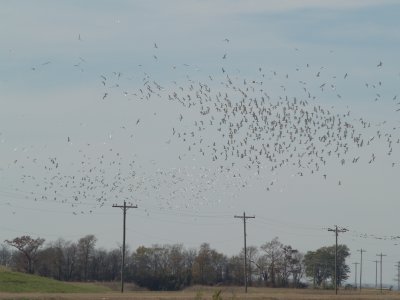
174	267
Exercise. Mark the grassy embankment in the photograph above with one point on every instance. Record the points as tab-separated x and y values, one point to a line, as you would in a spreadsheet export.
15	282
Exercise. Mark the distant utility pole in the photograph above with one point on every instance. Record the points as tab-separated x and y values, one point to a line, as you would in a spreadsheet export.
361	252
376	273
355	275
244	217
381	255
313	274
336	230
124	209
398	275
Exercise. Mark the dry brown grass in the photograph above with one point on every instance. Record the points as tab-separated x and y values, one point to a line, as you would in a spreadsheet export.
202	293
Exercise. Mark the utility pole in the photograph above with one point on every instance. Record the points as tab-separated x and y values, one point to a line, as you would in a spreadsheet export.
381	255
124	209
355	275
361	252
336	230
376	273
314	275
398	275
244	217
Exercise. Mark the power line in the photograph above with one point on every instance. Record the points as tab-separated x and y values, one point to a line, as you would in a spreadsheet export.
124	209
271	221
244	217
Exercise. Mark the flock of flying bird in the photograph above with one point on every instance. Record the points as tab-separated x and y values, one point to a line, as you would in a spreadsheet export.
239	127
237	121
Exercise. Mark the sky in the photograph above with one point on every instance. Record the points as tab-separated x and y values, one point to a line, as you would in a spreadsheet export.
110	101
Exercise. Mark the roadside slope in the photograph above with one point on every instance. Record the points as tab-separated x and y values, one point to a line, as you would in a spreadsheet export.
16	282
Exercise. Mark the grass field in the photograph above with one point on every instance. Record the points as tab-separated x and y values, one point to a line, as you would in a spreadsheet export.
201	293
207	293
14	285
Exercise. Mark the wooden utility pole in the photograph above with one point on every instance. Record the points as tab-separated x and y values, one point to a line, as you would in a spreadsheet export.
336	230
398	275
361	252
376	273
244	217
124	209
314	275
381	255
355	275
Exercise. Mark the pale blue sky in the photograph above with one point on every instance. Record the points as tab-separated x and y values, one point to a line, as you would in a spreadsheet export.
52	60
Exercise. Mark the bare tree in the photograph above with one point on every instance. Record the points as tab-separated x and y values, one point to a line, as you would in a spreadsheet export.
252	257
208	266
29	248
262	265
273	255
57	259
297	268
286	264
71	256
85	249
5	255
